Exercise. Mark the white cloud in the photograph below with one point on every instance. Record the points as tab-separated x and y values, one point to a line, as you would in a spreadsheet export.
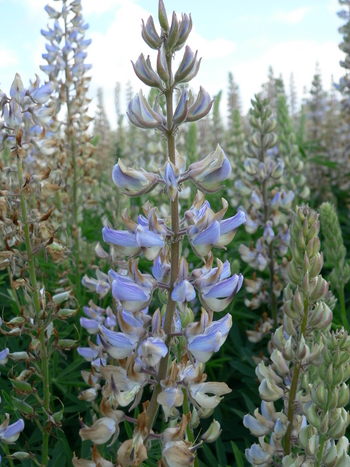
7	57
99	7
298	57
293	17
89	6
110	54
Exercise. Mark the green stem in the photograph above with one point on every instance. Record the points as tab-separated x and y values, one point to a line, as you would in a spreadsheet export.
13	289
342	306
270	249
75	172
186	410
294	385
175	260
7	450
37	308
190	435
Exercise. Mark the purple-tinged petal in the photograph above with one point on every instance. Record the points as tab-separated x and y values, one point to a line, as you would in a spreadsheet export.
90	325
11	433
147	239
4	356
128	291
209	236
87	353
119	339
224	288
183	292
202	347
42	95
232	223
119	237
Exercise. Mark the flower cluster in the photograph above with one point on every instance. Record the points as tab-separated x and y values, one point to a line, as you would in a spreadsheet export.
335	252
293	175
166	349
66	68
309	368
9	433
25	233
261	179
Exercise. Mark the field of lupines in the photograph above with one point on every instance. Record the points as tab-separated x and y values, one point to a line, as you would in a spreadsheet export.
174	292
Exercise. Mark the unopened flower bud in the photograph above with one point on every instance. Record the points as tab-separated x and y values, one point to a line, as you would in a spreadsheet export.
212	433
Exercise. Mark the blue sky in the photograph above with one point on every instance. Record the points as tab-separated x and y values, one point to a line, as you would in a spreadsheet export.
231	35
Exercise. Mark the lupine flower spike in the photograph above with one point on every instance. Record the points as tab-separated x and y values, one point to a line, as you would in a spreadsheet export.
308	368
165	348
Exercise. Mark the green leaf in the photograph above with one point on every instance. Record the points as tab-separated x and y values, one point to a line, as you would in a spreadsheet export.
73	366
8	399
95	140
209	455
237	412
251	407
59	456
238	455
128	429
323	161
220	452
244	369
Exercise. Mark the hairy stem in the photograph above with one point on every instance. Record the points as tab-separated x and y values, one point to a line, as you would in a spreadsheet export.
175	260
37	307
294	385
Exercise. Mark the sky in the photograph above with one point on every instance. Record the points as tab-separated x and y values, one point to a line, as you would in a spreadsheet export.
231	35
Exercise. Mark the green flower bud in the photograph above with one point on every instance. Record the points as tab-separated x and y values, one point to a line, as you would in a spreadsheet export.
311	446
329	375
194	422
66	313
186	317
269	391
21	386
330	458
342	419
321	395
288	326
278	339
287	351
306	263
338	376
305	434
22	406
310	410
20	456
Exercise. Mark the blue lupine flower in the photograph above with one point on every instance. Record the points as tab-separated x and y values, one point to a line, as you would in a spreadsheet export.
133	182
228	228
203	345
122	239
216	288
133	292
117	344
209	172
4	356
88	353
151	350
10	433
183	291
